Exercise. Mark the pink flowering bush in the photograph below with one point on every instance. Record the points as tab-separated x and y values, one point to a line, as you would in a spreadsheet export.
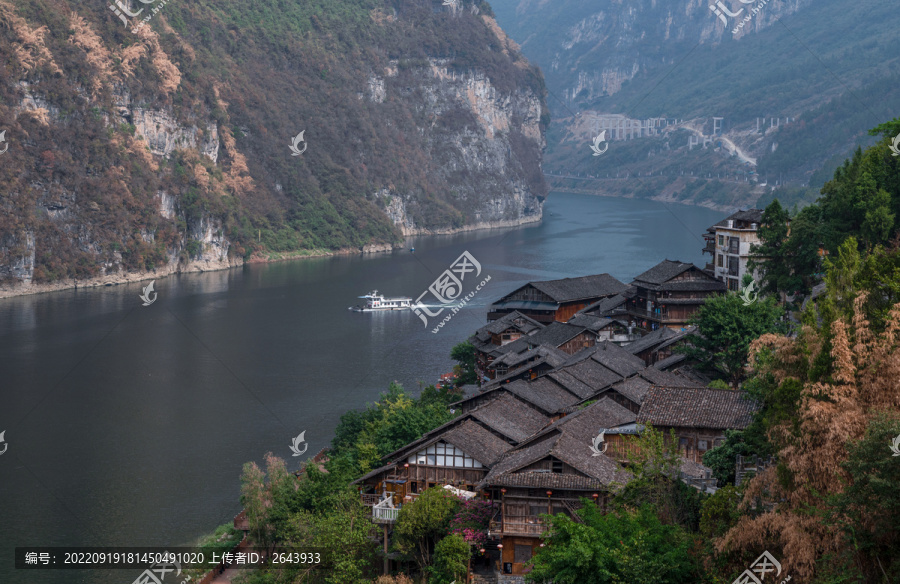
472	520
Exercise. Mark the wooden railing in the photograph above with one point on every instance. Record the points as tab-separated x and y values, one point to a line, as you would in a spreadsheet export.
385	514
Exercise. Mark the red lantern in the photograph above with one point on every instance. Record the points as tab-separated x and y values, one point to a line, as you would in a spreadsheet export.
503	491
499	546
481	550
549	493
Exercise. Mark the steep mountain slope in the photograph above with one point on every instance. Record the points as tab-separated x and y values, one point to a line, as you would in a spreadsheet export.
797	87
163	141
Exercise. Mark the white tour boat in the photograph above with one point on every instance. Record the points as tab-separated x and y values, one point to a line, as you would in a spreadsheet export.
376	301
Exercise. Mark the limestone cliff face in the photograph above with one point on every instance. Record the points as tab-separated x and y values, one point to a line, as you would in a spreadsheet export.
488	181
132	154
589	50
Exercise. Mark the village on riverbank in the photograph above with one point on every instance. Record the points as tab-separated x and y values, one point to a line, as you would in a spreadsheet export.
551	407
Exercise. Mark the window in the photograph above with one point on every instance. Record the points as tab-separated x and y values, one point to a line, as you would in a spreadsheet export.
536	510
683	443
718	442
721	260
522	554
702	445
722	240
733	265
733	284
556	466
443	454
733	244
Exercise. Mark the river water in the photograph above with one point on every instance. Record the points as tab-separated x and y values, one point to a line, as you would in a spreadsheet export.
128	425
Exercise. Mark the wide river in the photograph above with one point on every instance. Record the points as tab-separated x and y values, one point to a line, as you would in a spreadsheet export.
128	425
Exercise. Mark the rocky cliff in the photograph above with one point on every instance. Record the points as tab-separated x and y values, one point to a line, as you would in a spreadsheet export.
154	137
765	91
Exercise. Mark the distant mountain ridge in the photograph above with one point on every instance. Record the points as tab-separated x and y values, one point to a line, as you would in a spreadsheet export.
829	66
219	131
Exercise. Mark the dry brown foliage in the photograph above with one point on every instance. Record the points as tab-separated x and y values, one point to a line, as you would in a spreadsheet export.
97	55
866	379
31	51
168	73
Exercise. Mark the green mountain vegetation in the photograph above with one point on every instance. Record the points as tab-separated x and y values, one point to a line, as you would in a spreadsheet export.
83	96
830	65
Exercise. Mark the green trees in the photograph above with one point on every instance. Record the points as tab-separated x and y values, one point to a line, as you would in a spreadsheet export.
396	419
725	329
451	560
464	355
787	256
422	523
620	547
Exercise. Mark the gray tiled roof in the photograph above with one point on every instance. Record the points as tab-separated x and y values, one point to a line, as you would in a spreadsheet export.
477	442
525	324
571	383
568	440
650	340
570	289
604	305
543	393
587	421
700	407
634	388
662	272
617	359
510	417
748	216
658	278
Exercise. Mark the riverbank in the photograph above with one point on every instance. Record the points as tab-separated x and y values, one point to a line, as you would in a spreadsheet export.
115	279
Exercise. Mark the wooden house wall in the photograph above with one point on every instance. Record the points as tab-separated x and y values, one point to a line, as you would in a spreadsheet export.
527	293
581	341
547	464
689	440
568	309
620	399
426	476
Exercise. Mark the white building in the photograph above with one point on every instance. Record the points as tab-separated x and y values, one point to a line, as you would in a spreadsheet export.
729	241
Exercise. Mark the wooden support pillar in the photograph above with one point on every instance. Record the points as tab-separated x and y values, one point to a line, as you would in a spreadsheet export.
385	568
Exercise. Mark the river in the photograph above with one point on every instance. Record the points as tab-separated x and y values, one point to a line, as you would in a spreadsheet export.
128	425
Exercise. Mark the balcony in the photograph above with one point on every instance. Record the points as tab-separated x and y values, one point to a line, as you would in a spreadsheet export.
385	512
384	515
533	528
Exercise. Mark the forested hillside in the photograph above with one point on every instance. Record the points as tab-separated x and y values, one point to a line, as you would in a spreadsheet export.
826	71
167	145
